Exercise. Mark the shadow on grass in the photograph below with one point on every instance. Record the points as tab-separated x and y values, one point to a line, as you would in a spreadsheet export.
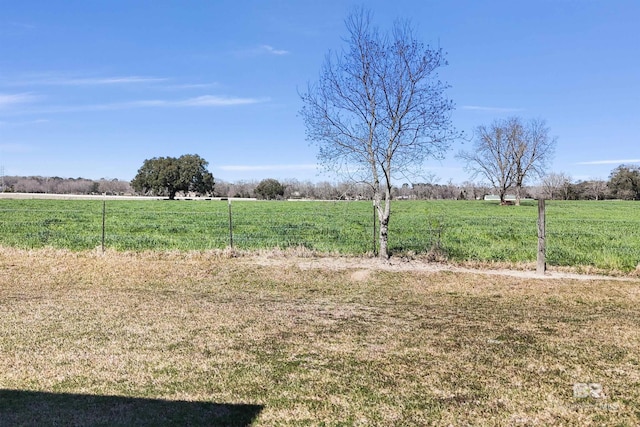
31	408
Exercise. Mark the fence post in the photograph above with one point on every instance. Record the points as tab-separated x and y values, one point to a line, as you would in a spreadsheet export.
230	226
104	214
542	264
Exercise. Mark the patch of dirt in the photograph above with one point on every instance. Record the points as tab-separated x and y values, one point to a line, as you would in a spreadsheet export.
363	267
360	268
360	275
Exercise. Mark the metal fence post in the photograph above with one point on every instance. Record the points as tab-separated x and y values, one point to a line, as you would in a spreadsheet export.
542	264
104	214
230	226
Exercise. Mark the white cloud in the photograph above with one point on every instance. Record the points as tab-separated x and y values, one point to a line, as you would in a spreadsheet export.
491	109
192	86
114	80
7	100
217	101
61	80
609	162
15	148
89	81
261	50
274	51
199	101
246	168
23	123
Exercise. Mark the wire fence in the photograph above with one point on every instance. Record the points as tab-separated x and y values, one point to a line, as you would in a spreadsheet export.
325	227
462	231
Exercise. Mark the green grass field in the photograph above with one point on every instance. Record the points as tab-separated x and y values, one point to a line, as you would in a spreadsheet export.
604	235
200	338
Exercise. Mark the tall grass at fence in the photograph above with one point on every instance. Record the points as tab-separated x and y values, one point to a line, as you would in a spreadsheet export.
604	234
341	227
466	230
601	234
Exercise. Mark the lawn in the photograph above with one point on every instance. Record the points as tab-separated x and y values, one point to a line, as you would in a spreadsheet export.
201	338
601	235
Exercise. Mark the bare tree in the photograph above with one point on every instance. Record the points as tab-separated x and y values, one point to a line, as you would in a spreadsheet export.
472	190
223	189
378	110
326	191
532	150
28	185
490	158
509	152
243	189
307	190
556	185
596	189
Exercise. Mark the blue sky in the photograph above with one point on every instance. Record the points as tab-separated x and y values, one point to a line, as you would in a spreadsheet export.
93	88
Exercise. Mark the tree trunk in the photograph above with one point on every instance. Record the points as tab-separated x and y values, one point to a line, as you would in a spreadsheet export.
518	187
384	239
384	213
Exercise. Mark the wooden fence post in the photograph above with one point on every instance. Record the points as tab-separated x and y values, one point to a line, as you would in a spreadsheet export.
542	263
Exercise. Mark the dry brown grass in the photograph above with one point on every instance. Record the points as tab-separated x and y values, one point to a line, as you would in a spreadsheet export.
354	345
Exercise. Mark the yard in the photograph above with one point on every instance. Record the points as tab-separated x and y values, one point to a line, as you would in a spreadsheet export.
216	337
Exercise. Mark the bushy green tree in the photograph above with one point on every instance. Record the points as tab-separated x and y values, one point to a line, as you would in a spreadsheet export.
168	175
269	189
624	182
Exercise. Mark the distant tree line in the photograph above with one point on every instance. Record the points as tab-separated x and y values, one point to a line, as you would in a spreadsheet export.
324	190
623	183
57	185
